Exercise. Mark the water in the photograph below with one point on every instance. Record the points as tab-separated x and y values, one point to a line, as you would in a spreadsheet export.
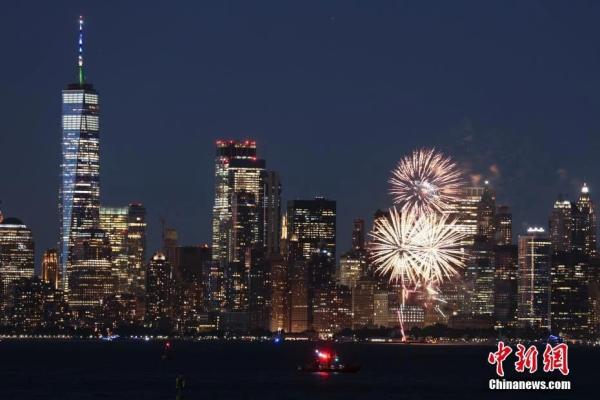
227	370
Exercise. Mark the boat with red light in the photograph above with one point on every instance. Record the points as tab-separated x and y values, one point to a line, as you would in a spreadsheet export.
327	361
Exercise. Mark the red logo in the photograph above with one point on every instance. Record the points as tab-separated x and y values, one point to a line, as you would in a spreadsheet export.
499	357
557	357
554	358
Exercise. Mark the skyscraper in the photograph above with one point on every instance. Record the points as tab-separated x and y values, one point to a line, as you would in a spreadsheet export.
584	224
465	211
190	267
16	256
237	169
533	307
160	289
570	304
79	204
505	284
313	222
352	268
479	275
363	302
170	239
311	225
91	278
136	246
113	221
503	228
358	234
279	293
272	212
50	270
486	213
561	226
479	271
126	230
245	220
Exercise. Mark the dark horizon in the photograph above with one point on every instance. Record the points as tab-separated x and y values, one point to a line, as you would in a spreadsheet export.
334	94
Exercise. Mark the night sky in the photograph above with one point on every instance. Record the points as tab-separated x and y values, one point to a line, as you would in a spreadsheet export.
334	92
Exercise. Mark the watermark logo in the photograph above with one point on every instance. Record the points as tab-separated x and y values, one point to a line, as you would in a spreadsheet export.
554	358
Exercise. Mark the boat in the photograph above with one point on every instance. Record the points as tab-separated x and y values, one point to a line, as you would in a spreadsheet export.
166	351
328	362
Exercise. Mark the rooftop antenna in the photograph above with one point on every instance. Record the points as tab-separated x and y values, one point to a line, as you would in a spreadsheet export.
80	52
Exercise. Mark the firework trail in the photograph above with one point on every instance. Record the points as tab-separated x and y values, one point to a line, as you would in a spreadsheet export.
425	182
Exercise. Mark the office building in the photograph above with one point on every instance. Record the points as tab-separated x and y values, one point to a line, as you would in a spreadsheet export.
533	302
16	256
79	204
50	269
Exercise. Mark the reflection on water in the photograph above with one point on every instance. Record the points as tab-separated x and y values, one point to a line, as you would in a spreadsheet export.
122	370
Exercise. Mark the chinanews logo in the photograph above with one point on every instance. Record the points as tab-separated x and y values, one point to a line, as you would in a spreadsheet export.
554	358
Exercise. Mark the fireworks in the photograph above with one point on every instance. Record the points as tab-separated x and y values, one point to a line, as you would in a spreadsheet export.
425	181
416	250
416	245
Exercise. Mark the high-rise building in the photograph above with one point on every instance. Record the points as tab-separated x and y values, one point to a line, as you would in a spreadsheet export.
190	268
479	271
160	287
298	284
486	213
352	268
244	225
505	284
91	278
561	226
570	306
114	222
465	211
259	289
299	301
170	242
313	222
479	275
312	225
16	256
50	270
136	246
584	224
79	204
533	303
126	230
246	222
503	228
237	169
363	302
272	212
358	235
279	293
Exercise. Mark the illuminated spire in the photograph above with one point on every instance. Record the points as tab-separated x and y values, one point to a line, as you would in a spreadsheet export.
585	189
80	53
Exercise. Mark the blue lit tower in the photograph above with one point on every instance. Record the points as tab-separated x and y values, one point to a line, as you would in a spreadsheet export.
79	194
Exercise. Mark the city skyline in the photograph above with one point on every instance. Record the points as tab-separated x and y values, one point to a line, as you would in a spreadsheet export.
320	199
190	215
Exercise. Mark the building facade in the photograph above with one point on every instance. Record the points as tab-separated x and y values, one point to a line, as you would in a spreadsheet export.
16	256
533	307
79	204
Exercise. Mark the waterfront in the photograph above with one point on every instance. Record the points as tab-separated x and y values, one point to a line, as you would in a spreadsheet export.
122	370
